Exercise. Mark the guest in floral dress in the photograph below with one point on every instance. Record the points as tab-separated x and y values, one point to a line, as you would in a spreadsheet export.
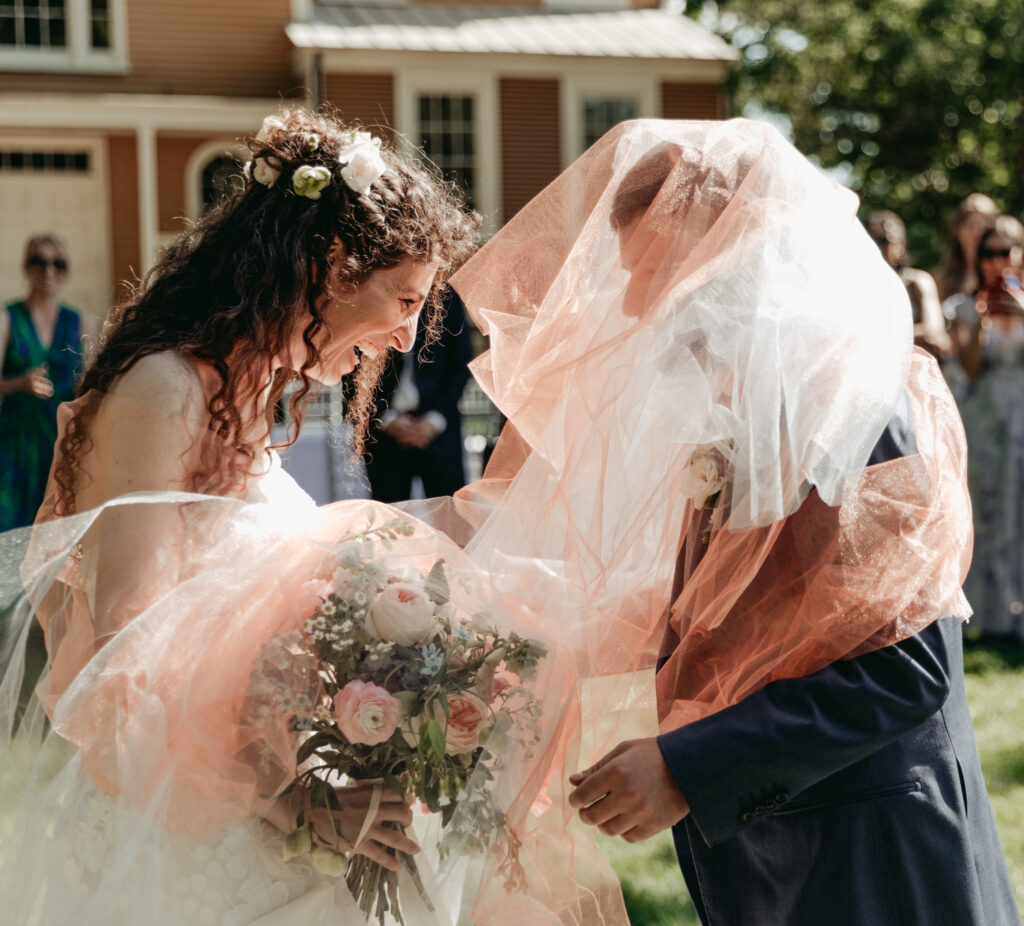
41	346
990	327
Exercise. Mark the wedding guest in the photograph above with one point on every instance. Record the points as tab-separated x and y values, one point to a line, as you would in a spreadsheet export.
990	327
41	343
416	425
959	270
890	234
722	436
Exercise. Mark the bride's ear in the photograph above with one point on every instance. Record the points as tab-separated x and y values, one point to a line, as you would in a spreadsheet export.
337	250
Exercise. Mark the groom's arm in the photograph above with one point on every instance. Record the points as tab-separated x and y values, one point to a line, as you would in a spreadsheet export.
744	761
731	768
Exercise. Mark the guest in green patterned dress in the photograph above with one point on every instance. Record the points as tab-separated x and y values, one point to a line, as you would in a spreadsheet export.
41	346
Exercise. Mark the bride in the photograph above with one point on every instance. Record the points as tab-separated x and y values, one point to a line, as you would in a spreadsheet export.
136	785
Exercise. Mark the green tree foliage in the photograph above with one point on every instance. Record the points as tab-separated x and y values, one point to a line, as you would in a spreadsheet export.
915	103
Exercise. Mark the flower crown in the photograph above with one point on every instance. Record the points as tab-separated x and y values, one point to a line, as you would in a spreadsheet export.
360	160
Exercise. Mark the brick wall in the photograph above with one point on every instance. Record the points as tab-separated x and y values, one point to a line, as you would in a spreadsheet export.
530	139
122	164
365	98
692	101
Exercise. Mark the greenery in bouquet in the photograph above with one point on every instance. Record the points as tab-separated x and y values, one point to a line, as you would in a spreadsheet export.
415	693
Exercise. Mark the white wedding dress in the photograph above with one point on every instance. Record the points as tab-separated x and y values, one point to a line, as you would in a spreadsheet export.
73	853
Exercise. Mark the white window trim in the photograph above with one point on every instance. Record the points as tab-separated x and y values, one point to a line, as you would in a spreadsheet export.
194	169
575	88
410	84
78	55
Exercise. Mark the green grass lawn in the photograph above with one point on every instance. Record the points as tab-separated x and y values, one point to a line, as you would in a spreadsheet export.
651	881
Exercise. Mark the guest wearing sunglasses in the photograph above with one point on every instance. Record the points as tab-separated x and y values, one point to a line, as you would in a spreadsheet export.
990	331
41	347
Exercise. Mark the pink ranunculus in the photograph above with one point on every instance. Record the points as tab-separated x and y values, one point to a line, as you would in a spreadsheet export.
366	713
466	715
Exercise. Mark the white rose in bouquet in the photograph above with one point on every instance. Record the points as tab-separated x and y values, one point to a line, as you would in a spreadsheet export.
402	613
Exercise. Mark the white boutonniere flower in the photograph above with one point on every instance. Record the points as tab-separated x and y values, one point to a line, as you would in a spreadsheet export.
266	171
309	181
311	142
362	162
270	125
704	477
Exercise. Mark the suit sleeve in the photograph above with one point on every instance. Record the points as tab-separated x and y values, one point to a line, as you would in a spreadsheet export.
756	755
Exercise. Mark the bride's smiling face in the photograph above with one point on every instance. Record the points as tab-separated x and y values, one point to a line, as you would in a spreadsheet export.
379	313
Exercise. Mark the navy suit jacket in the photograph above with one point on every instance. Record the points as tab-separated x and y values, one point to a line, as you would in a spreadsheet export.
850	797
440	374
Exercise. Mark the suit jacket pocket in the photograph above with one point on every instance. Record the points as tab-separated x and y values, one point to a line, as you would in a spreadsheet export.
819	801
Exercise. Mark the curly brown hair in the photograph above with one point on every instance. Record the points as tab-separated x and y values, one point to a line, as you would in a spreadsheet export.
241	281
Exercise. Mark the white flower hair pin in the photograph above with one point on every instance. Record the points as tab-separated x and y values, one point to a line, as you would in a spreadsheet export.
308	181
362	162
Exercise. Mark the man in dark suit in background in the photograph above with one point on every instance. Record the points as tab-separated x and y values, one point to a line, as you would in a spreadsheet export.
416	428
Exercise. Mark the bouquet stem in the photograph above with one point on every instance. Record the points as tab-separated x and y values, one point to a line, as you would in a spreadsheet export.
376	888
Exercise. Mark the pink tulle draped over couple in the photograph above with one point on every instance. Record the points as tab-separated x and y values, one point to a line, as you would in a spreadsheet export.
256	711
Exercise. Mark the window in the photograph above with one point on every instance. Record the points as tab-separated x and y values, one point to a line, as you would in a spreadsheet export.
600	114
221	177
446	132
99	24
33	24
59	161
62	35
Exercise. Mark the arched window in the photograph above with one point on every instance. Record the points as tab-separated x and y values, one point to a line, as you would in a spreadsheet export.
221	176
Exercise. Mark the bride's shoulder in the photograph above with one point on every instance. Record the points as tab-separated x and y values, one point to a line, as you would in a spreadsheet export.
166	383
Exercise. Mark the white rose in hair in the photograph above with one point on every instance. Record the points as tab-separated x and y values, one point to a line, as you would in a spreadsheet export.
309	181
270	125
266	171
704	476
363	162
403	614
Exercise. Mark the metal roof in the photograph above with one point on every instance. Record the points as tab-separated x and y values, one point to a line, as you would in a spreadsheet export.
516	30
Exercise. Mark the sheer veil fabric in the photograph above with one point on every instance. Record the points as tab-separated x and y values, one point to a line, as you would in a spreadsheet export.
682	286
699	286
134	772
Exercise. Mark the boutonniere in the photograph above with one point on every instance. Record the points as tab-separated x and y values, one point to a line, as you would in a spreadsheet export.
704	478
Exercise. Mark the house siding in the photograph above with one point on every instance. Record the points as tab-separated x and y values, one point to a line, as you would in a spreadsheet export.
122	165
692	101
365	98
530	139
191	47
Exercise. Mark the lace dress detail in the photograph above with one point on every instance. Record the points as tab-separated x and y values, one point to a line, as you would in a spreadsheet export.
232	879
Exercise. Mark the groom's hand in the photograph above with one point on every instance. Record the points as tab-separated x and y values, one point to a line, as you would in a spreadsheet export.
629	793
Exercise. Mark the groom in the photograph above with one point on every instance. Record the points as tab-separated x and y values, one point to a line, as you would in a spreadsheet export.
775	801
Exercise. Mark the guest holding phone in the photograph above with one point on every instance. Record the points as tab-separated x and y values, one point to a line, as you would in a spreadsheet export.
990	330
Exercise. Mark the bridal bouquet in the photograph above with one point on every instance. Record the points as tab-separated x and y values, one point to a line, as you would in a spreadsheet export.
414	693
